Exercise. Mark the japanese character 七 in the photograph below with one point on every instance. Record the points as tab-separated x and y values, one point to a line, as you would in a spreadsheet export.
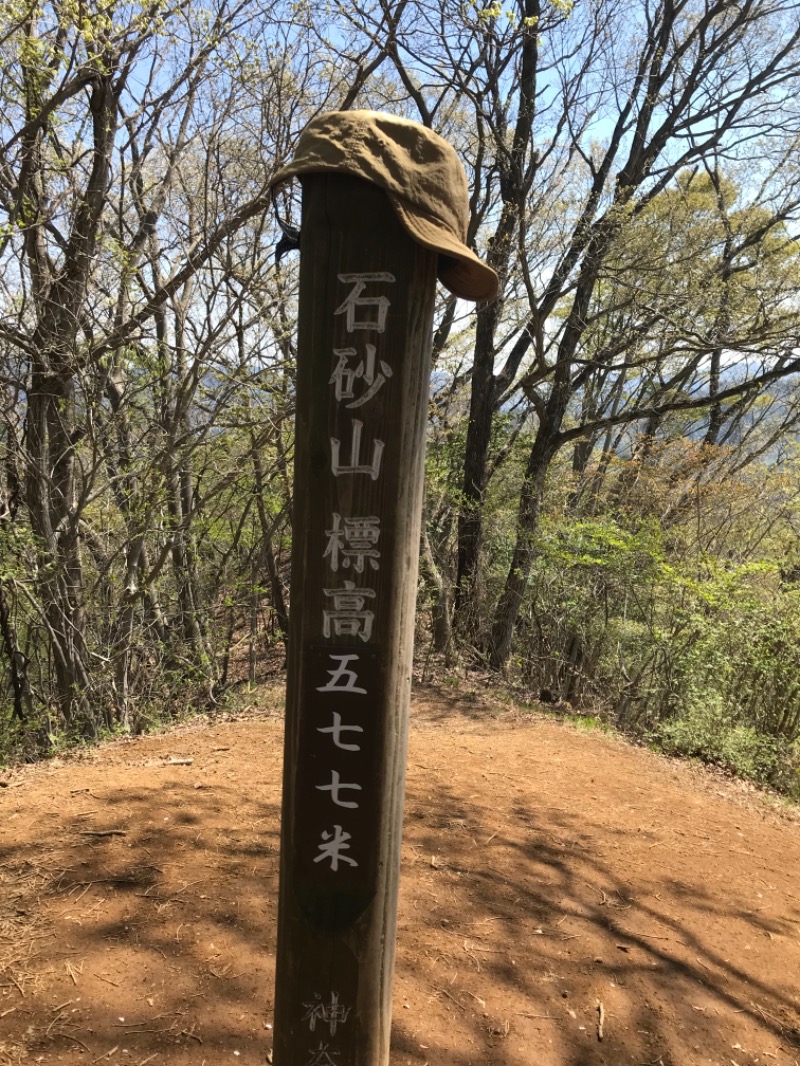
336	786
336	731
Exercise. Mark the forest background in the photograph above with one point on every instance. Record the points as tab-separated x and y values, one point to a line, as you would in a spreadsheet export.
612	513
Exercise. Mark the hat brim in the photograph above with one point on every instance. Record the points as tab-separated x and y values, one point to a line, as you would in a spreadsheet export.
464	274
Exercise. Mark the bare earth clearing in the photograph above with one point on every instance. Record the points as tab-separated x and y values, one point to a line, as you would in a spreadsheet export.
545	871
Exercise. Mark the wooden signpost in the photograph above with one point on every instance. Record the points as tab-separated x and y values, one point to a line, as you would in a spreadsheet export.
365	324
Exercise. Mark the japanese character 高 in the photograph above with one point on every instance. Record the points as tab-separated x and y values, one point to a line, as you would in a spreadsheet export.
348	617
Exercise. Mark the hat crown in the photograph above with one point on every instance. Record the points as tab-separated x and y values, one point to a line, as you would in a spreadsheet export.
419	170
402	156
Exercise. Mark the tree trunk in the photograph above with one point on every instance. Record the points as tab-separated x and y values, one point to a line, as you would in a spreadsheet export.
479	431
544	448
50	498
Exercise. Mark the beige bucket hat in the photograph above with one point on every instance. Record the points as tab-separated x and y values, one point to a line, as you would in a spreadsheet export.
422	175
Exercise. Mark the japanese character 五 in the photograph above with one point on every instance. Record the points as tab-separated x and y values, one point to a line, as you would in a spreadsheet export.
342	678
345	377
353	544
348	617
364	312
335	787
332	847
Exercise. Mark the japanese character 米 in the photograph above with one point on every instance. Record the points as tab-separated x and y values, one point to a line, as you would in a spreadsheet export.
332	847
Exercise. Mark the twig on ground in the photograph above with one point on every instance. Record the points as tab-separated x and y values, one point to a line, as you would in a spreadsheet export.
446	993
652	936
107	1054
601	1017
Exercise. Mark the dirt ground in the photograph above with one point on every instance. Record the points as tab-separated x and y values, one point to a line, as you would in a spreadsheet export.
546	871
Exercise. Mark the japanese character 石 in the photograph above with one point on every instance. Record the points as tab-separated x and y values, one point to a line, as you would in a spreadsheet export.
364	312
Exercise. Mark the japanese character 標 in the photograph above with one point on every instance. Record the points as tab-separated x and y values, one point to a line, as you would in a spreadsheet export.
353	544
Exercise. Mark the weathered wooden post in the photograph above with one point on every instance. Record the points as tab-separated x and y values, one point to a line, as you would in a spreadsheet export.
384	200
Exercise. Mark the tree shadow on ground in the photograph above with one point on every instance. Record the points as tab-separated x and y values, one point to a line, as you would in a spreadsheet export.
147	893
567	933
